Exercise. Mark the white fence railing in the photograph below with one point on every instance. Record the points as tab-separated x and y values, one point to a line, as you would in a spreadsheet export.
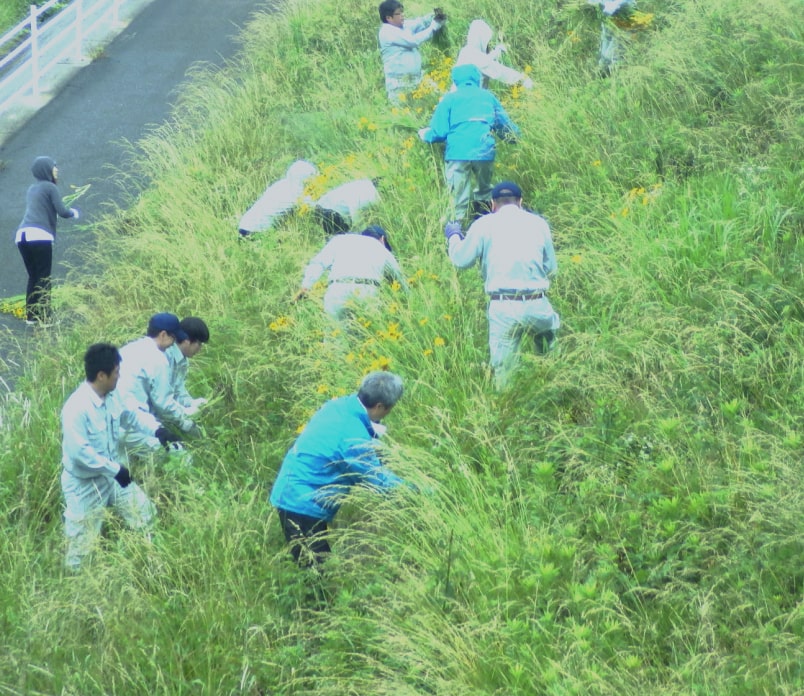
41	45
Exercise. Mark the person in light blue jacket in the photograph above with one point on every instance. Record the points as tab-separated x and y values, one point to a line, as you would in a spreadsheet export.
335	451
467	120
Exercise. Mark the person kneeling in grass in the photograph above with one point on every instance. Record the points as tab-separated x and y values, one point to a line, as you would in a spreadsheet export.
92	476
357	265
335	451
179	354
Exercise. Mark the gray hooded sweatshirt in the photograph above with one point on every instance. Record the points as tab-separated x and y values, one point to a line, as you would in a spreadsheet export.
43	200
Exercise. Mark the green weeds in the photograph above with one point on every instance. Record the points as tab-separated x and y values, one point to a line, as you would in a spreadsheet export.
626	519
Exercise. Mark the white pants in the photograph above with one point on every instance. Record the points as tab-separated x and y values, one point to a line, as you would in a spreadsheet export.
460	176
509	321
340	297
85	502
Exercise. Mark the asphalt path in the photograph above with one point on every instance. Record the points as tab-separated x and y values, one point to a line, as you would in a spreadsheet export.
118	97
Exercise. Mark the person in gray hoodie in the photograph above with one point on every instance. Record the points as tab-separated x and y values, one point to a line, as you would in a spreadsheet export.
36	234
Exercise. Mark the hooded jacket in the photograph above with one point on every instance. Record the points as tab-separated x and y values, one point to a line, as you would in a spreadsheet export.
467	118
43	200
334	452
475	53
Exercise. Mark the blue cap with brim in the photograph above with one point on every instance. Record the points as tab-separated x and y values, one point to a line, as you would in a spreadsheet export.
165	321
506	189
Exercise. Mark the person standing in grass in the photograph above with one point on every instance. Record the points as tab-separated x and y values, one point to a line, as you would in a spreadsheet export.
93	477
399	47
517	261
179	354
357	265
335	451
467	120
36	235
476	52
146	390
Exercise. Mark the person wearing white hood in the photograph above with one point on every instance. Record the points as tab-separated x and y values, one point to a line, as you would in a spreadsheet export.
476	52
278	199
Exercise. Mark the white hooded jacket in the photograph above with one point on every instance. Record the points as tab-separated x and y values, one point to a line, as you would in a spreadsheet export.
475	53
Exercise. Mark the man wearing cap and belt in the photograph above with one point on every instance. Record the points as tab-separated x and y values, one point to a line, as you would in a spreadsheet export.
357	264
517	260
145	388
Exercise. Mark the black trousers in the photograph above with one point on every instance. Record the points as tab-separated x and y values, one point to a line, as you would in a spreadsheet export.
306	536
38	260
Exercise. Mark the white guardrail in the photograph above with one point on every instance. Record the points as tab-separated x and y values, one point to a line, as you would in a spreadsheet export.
33	48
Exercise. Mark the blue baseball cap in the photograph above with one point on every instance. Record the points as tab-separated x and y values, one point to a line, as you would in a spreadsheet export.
165	321
506	189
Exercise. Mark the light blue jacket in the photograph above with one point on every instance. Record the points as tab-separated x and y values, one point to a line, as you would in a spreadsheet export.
335	451
467	119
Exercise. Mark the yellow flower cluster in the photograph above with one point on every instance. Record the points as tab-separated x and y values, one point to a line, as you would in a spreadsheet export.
13	306
634	20
280	324
392	333
365	124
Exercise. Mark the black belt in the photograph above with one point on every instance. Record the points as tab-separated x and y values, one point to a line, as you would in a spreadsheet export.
521	296
358	281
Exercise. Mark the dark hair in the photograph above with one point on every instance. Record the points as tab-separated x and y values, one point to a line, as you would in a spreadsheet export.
332	221
195	328
100	357
388	7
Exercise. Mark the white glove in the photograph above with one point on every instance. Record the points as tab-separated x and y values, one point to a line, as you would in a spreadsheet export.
527	83
501	48
435	25
422	133
76	213
379	429
195	406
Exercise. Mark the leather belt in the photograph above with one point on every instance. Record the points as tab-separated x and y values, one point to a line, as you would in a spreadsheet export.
521	296
358	281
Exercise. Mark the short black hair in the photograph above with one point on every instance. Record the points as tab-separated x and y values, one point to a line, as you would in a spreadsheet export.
195	328
388	7
100	357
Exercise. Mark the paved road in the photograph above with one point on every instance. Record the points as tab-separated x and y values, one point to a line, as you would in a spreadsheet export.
115	98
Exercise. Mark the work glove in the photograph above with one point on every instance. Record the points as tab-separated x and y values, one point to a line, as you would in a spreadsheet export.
76	213
436	25
451	229
195	406
166	437
123	477
423	133
527	83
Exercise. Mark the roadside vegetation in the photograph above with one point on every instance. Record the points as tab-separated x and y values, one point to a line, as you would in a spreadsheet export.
626	519
12	12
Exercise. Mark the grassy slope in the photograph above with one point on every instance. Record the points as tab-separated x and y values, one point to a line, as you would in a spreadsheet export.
627	519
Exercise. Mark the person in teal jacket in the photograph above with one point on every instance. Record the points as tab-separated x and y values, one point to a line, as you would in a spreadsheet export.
335	451
467	120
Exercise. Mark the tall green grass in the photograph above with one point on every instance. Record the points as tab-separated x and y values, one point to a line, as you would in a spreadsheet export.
627	518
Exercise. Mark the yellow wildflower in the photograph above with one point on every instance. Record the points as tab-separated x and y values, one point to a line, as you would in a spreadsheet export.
280	324
427	352
423	321
596	163
438	342
447	317
576	258
322	389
